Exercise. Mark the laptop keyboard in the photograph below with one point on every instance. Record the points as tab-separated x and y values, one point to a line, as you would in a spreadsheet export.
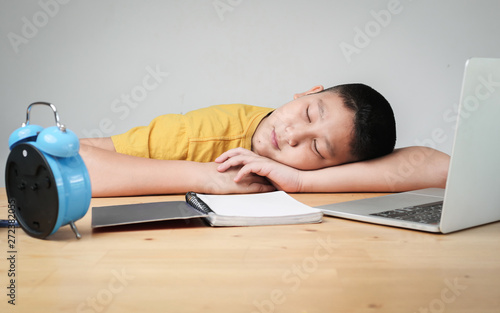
429	213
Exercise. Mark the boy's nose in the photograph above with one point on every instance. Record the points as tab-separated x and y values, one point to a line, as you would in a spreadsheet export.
295	135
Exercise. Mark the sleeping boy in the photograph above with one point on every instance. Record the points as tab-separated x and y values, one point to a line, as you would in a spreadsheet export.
339	139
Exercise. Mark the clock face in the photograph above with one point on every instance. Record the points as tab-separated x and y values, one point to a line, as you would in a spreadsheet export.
32	190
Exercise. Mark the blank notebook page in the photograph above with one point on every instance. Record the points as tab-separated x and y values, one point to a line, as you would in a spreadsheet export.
270	204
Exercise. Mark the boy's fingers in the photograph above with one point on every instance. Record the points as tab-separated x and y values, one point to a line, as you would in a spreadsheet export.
235	161
223	157
232	153
222	167
228	164
220	159
245	170
239	176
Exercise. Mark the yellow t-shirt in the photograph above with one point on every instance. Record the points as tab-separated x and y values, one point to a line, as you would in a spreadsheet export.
200	135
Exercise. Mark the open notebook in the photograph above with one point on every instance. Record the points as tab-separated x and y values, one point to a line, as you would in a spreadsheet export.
272	208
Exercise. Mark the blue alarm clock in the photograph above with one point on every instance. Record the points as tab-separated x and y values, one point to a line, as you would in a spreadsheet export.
47	182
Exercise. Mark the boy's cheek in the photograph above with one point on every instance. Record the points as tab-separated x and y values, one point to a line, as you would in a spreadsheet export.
290	160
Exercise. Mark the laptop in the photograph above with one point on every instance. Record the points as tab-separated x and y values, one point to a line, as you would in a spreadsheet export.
472	193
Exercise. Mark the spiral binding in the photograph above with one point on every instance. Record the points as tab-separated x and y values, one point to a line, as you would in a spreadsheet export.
193	200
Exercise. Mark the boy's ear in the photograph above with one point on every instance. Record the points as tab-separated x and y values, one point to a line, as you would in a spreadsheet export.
314	89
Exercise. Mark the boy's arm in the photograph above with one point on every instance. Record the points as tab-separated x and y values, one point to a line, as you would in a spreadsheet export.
115	174
405	169
105	143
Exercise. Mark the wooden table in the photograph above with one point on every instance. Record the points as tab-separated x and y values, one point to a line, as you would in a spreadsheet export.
335	266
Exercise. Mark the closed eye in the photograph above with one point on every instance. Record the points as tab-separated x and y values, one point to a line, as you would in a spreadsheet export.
307	114
315	147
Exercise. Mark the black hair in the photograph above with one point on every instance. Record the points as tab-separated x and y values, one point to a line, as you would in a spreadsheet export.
374	132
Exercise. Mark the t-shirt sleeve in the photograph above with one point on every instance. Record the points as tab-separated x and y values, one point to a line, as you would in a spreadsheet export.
167	132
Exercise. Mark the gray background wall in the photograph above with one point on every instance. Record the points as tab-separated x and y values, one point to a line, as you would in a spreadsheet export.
112	65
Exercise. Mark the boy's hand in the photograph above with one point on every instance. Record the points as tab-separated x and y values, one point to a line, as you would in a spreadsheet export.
217	182
281	176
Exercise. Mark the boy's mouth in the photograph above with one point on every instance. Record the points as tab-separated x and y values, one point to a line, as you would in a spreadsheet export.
274	141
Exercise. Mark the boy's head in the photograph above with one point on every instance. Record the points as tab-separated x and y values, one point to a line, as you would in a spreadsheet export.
322	128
